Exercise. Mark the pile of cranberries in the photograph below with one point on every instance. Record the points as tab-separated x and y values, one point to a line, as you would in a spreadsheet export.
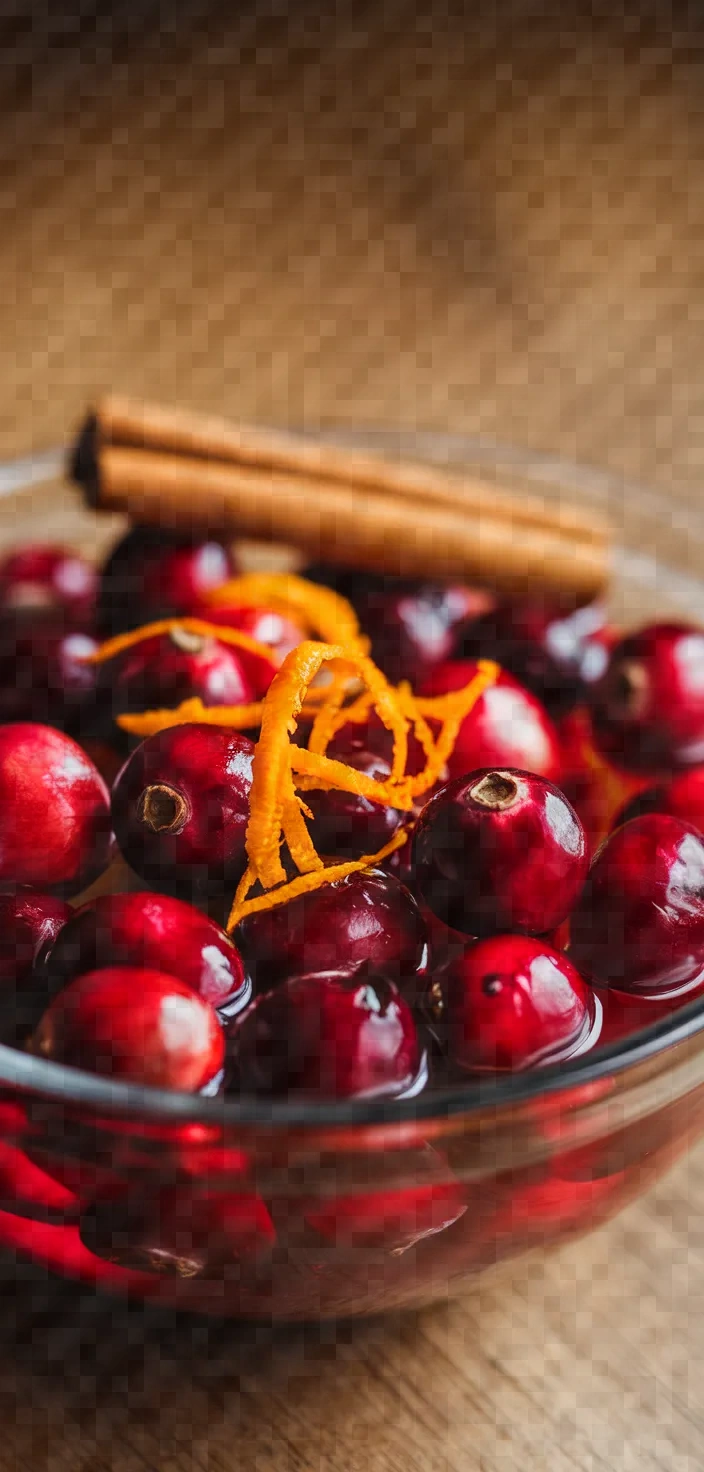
550	896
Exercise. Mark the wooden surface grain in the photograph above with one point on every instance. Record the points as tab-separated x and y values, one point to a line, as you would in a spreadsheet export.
481	218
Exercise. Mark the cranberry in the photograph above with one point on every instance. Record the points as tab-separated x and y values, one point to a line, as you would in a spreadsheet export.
161	672
48	577
344	824
153	573
626	1013
54	811
413	626
136	1026
648	707
29	925
180	806
499	850
177	1233
507	727
153	932
281	634
511	1002
548	651
682	797
367	917
639	924
43	671
331	1035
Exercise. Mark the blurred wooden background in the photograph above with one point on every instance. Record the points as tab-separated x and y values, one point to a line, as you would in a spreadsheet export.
448	216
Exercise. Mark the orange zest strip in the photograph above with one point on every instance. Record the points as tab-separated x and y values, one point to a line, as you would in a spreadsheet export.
457	709
324	772
240	640
304	883
322	611
149	722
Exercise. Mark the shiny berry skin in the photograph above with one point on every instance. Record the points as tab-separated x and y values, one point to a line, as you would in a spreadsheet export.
30	923
54	811
345	825
180	806
367	917
281	634
682	797
328	1036
49	577
499	850
507	727
413	626
511	1002
135	1026
153	573
639	925
161	672
544	648
43	671
648	706
153	932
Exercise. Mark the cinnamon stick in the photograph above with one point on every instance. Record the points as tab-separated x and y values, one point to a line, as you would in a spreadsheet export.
174	468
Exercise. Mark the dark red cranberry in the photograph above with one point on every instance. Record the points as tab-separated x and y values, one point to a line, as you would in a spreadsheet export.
507	727
682	797
544	648
499	850
345	825
331	1036
49	577
29	925
366	917
161	672
135	1026
154	573
511	1002
153	932
180	806
648	707
639	924
54	811
43	671
413	627
265	625
178	1233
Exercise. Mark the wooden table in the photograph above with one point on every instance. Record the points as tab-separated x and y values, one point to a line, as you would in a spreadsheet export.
475	218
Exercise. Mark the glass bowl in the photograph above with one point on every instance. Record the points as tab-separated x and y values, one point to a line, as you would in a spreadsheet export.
292	1210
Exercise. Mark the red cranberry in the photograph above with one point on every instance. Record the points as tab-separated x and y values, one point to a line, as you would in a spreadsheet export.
366	917
332	1036
281	634
43	671
344	824
177	1233
180	806
48	577
682	797
413	627
54	811
161	672
639	924
153	573
499	850
136	1026
648	707
153	932
507	727
511	1002
547	650
29	925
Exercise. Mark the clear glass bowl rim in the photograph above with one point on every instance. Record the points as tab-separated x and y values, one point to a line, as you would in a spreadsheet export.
84	1090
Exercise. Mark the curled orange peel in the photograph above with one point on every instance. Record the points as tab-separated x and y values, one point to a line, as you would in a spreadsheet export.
304	883
320	610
